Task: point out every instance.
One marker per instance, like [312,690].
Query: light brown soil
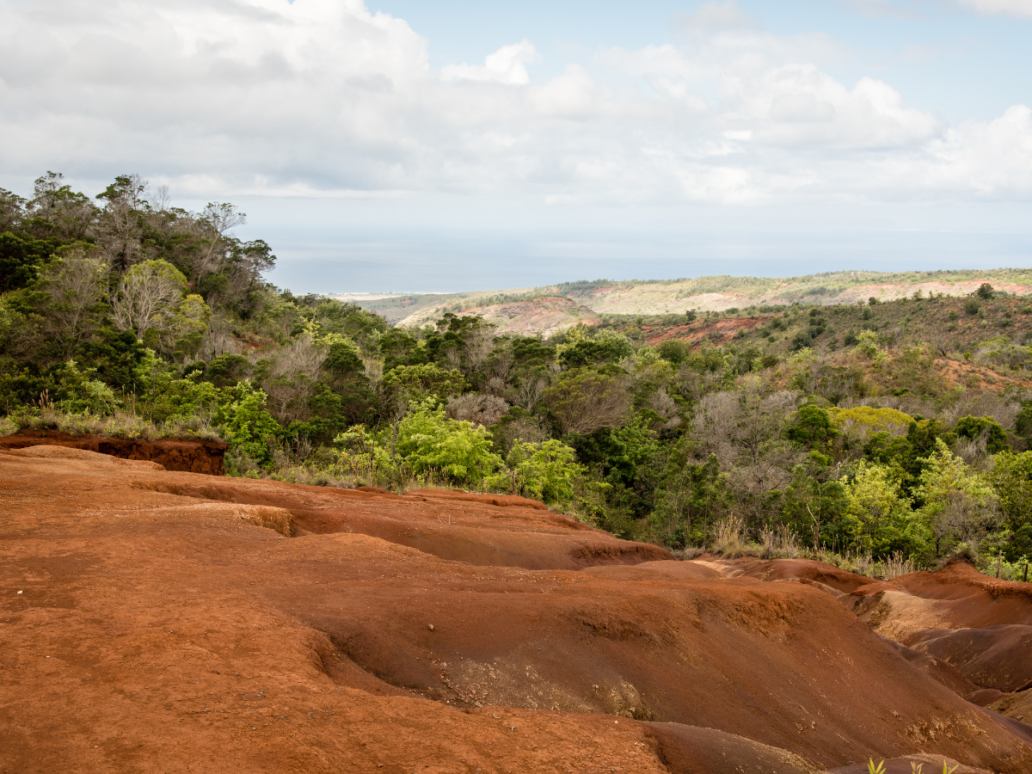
[535,317]
[166,623]
[973,377]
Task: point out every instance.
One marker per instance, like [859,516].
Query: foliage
[811,426]
[546,471]
[878,518]
[958,504]
[986,429]
[425,380]
[433,444]
[868,420]
[584,401]
[246,423]
[892,430]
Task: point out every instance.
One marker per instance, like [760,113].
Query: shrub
[977,428]
[431,443]
[545,471]
[865,421]
[246,423]
[867,344]
[78,393]
[417,382]
[584,401]
[878,517]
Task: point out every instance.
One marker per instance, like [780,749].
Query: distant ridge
[677,296]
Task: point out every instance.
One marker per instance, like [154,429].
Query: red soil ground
[170,622]
[720,331]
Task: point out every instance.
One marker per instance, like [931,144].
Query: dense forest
[880,436]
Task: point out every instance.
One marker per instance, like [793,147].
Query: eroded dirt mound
[967,631]
[192,455]
[476,529]
[1016,705]
[803,570]
[159,628]
[941,671]
[997,657]
[688,749]
[81,455]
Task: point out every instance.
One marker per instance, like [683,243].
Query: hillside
[871,433]
[720,294]
[160,621]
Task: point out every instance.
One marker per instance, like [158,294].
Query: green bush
[432,444]
[246,423]
[546,471]
[974,428]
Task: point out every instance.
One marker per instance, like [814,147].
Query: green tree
[811,426]
[813,503]
[431,443]
[606,347]
[418,382]
[987,428]
[958,504]
[246,423]
[79,393]
[21,258]
[1011,477]
[546,471]
[878,517]
[692,496]
[584,401]
[74,287]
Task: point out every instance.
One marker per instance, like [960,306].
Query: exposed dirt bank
[190,455]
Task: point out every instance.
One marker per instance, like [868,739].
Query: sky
[408,146]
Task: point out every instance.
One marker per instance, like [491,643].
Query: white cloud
[1009,7]
[324,97]
[506,65]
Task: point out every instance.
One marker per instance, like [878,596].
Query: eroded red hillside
[156,621]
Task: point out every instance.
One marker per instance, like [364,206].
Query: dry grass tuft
[779,543]
[729,538]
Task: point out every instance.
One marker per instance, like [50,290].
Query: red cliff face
[189,455]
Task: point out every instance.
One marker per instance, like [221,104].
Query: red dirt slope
[979,625]
[967,631]
[191,455]
[475,529]
[804,570]
[161,629]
